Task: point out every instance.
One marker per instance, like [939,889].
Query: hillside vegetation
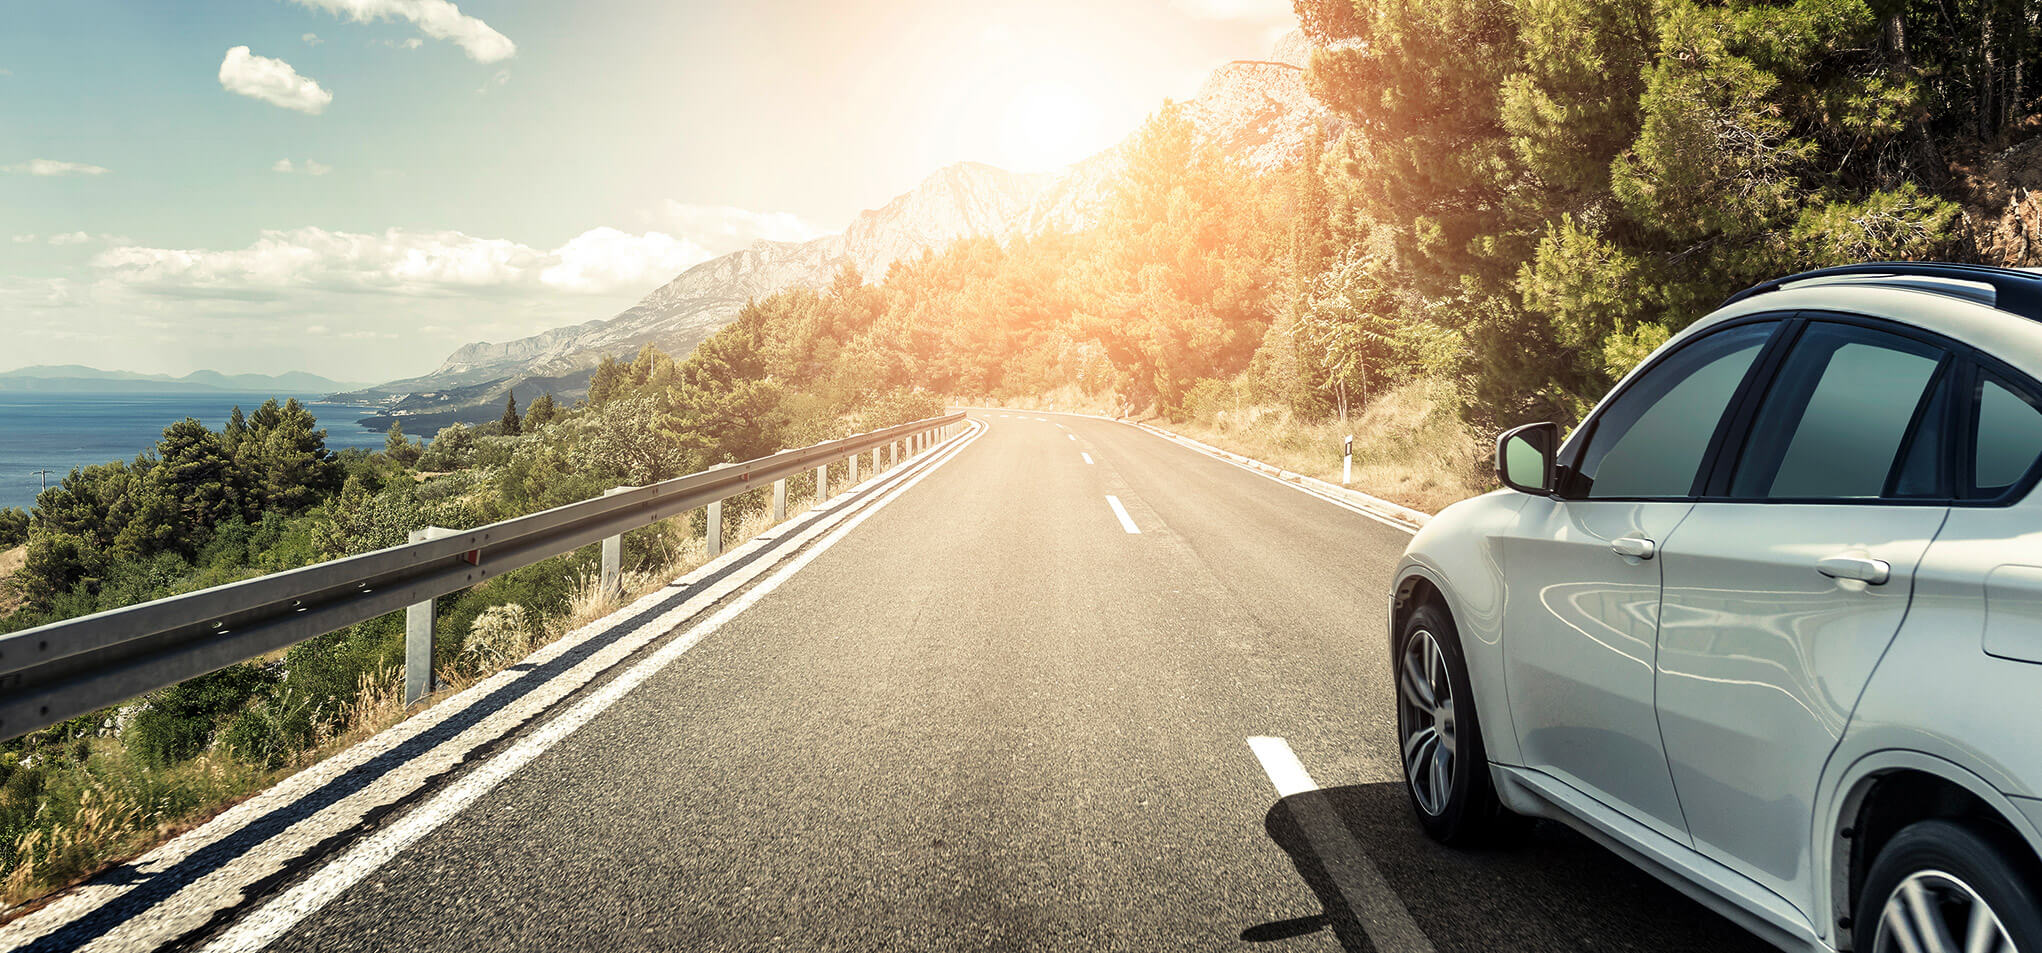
[262,494]
[1520,201]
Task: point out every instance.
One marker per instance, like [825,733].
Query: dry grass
[11,562]
[1410,444]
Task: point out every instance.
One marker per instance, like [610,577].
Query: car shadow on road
[1547,889]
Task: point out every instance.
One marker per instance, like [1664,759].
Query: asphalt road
[992,718]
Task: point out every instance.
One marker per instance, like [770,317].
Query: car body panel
[1761,660]
[1990,727]
[1456,545]
[1712,884]
[1580,628]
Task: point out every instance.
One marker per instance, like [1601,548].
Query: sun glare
[1048,125]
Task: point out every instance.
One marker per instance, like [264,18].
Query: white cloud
[412,43]
[401,262]
[24,239]
[604,259]
[52,167]
[312,39]
[438,19]
[272,81]
[727,228]
[70,238]
[501,78]
[311,167]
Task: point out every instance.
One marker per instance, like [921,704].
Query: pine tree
[539,413]
[611,380]
[398,447]
[510,415]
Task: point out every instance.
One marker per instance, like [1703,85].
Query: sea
[59,432]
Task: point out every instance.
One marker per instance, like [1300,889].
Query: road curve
[1006,714]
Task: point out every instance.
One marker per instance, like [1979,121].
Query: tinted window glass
[1650,440]
[2009,438]
[1833,422]
[1925,471]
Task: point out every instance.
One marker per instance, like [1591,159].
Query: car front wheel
[1943,885]
[1445,770]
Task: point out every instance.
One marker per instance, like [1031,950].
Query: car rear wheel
[1445,770]
[1943,885]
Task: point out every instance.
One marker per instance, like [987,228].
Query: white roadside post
[613,555]
[822,482]
[712,531]
[780,500]
[852,461]
[1347,462]
[418,633]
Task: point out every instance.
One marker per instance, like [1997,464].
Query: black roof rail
[2014,291]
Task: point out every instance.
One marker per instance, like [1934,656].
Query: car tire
[1934,872]
[1455,801]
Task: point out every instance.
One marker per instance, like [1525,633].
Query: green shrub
[178,722]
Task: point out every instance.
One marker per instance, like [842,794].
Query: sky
[357,187]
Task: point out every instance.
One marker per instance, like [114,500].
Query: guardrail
[65,669]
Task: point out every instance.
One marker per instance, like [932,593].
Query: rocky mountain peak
[1260,111]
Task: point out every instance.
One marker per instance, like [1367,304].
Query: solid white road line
[1087,456]
[1126,522]
[1360,885]
[1282,765]
[277,917]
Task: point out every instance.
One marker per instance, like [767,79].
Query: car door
[1785,583]
[1582,588]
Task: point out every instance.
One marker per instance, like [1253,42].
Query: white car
[1769,623]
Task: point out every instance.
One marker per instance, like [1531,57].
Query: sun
[1048,124]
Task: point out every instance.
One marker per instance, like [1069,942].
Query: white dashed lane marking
[1126,521]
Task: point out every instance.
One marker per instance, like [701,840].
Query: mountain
[77,378]
[1259,111]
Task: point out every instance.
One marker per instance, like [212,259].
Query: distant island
[79,379]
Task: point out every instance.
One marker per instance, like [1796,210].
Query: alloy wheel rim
[1932,911]
[1425,722]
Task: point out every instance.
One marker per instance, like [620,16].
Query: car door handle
[1634,546]
[1862,568]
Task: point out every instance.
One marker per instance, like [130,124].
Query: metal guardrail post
[852,461]
[780,500]
[613,554]
[418,633]
[822,482]
[713,529]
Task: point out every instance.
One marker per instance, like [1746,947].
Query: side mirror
[1524,458]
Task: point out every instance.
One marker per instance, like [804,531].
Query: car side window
[1650,440]
[2006,431]
[1837,416]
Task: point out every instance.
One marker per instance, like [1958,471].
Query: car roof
[1937,305]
